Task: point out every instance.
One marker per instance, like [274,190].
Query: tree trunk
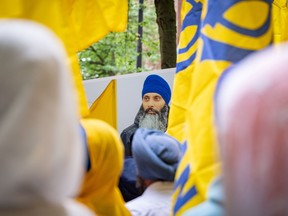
[166,20]
[178,6]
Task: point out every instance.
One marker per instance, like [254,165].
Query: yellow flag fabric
[104,107]
[100,189]
[79,23]
[280,20]
[187,47]
[93,19]
[229,31]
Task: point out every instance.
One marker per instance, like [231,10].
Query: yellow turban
[100,187]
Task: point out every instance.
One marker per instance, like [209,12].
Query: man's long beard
[157,121]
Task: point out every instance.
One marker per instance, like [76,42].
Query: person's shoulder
[137,206]
[129,130]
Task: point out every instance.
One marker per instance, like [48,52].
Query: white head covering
[252,124]
[41,154]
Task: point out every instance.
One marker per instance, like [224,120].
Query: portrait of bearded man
[153,112]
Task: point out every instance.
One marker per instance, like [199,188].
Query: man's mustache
[153,110]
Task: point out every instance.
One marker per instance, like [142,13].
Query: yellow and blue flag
[187,48]
[229,31]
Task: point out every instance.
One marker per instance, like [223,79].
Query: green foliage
[117,52]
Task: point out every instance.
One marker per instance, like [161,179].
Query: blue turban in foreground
[156,154]
[156,84]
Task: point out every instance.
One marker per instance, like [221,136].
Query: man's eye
[157,98]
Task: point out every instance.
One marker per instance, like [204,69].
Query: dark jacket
[127,181]
[128,133]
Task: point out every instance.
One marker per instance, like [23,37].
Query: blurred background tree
[117,53]
[166,20]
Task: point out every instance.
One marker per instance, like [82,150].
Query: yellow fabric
[220,44]
[104,107]
[184,70]
[280,20]
[79,23]
[93,19]
[100,189]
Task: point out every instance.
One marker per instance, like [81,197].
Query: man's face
[154,114]
[151,102]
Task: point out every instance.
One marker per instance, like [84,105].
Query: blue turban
[156,154]
[156,84]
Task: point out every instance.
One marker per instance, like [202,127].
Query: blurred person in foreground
[156,155]
[100,189]
[41,151]
[252,124]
